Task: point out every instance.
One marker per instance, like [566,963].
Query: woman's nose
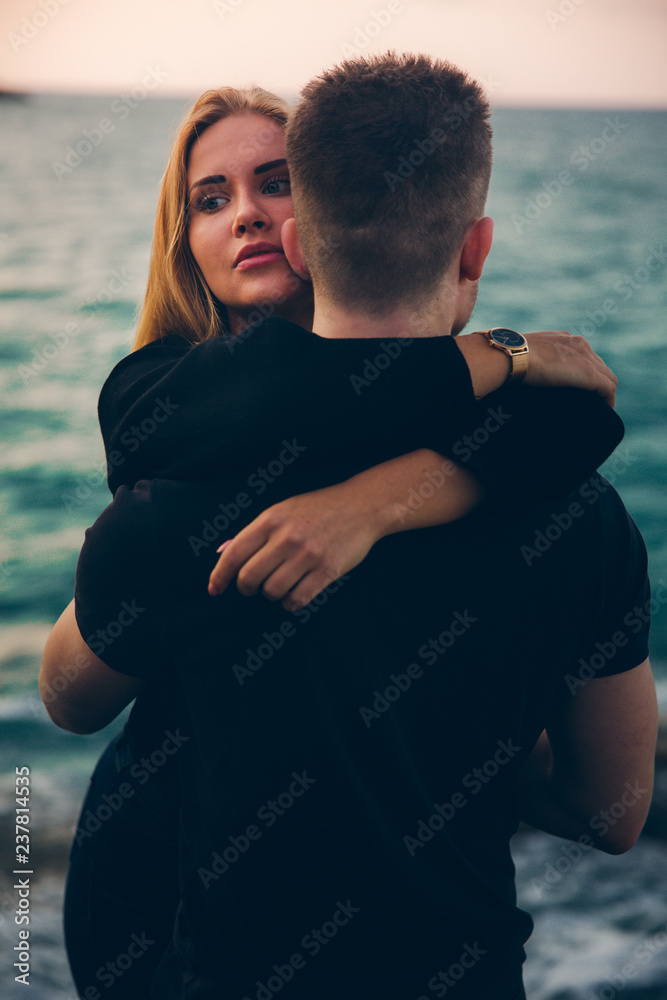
[249,216]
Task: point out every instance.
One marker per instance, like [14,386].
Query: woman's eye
[211,202]
[277,185]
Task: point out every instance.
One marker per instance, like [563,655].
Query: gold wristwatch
[515,346]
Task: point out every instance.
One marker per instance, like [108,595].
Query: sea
[580,245]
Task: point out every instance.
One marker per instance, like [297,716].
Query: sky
[546,53]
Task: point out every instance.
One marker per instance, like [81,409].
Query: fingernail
[225,544]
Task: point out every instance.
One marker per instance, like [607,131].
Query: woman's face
[239,197]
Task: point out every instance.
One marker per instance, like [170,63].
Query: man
[352,775]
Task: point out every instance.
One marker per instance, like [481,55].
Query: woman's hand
[556,358]
[296,548]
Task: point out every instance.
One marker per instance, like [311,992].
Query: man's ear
[475,250]
[292,249]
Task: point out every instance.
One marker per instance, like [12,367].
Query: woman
[217,258]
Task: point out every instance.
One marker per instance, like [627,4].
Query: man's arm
[591,772]
[80,692]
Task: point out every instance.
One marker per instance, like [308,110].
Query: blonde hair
[177,299]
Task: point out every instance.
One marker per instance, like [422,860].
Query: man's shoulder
[588,530]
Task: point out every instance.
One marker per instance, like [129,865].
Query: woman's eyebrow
[221,179]
[214,179]
[263,167]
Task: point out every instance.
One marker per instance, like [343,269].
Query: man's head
[390,159]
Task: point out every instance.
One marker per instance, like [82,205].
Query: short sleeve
[619,640]
[117,596]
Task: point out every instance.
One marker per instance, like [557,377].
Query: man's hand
[556,359]
[296,548]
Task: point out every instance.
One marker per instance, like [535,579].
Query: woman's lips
[260,260]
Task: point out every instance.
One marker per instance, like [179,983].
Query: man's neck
[434,319]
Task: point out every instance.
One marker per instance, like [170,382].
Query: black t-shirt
[329,774]
[348,771]
[176,411]
[184,412]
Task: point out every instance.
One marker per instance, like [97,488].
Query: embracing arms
[544,444]
[317,536]
[522,450]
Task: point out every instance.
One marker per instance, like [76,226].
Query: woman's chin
[289,297]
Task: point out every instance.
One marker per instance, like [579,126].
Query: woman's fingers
[308,588]
[237,552]
[274,577]
[558,358]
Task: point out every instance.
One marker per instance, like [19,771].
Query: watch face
[509,338]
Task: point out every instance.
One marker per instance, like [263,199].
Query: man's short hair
[390,158]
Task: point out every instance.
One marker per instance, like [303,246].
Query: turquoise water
[580,244]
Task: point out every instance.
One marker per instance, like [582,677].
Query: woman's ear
[292,249]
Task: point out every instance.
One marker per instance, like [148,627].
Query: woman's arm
[556,358]
[182,412]
[251,396]
[518,452]
[296,548]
